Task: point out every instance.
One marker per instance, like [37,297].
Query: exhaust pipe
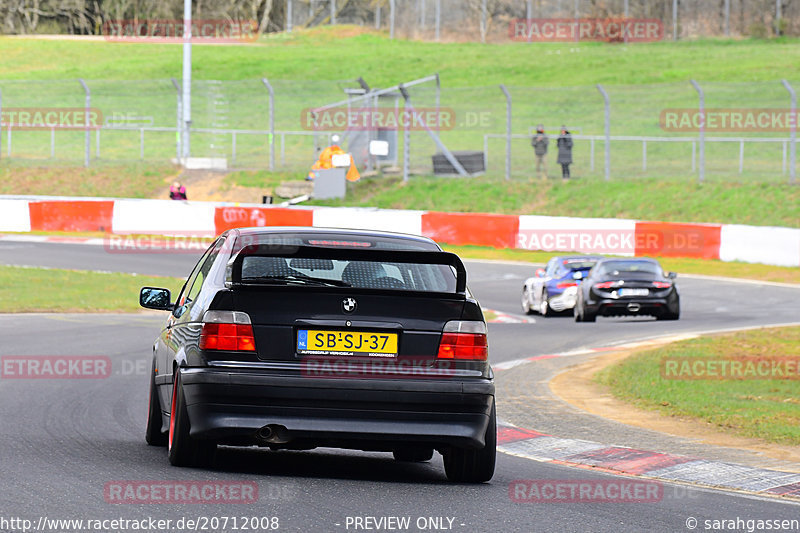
[634,308]
[273,434]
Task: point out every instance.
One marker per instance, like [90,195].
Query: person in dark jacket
[564,151]
[539,143]
[177,191]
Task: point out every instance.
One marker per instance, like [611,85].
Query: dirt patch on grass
[212,187]
[340,31]
[577,387]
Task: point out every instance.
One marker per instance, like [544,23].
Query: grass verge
[759,204]
[309,54]
[767,409]
[135,180]
[74,290]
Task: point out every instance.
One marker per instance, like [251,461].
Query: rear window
[617,267]
[360,274]
[572,266]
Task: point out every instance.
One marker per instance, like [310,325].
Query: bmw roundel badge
[349,305]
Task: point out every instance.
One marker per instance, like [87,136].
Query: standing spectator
[539,143]
[564,151]
[177,191]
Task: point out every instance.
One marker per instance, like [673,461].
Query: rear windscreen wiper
[299,280]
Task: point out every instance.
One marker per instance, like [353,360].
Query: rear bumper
[565,300]
[633,306]
[231,405]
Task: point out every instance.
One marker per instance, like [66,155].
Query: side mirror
[155,298]
[539,273]
[672,275]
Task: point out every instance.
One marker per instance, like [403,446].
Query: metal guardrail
[166,129]
[281,136]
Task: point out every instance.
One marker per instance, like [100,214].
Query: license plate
[634,292]
[346,343]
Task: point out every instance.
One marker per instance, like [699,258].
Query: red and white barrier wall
[728,242]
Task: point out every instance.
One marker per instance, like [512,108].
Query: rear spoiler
[234,271]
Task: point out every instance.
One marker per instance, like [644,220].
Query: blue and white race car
[554,289]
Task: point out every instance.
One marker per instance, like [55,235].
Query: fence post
[288,16]
[741,156]
[626,11]
[784,157]
[333,12]
[406,152]
[179,115]
[141,144]
[186,84]
[233,146]
[391,19]
[87,140]
[378,17]
[591,154]
[674,20]
[702,96]
[694,155]
[422,14]
[438,18]
[438,103]
[268,85]
[607,131]
[727,18]
[484,16]
[777,17]
[644,156]
[793,121]
[529,16]
[52,143]
[1,124]
[508,130]
[97,143]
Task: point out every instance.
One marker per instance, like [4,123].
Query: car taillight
[662,284]
[227,330]
[605,285]
[565,284]
[464,339]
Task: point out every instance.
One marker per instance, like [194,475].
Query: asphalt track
[64,440]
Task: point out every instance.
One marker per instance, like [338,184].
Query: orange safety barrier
[226,218]
[71,215]
[498,231]
[678,240]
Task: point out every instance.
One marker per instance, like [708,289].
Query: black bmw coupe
[293,338]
